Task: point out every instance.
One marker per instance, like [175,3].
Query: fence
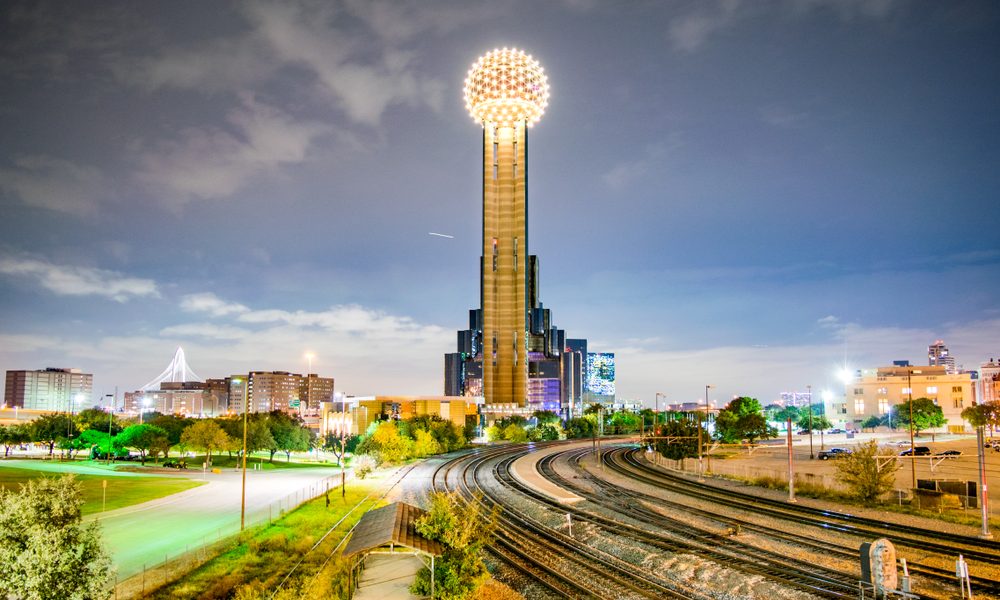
[745,470]
[175,566]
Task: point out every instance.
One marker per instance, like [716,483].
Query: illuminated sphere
[505,87]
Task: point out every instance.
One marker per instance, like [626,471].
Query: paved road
[146,534]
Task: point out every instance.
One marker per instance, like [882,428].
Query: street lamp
[656,413]
[243,491]
[910,371]
[809,392]
[701,472]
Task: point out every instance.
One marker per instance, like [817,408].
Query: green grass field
[262,556]
[121,491]
[224,461]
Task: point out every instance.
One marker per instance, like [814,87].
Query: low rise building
[989,381]
[873,392]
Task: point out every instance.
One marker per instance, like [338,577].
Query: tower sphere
[505,87]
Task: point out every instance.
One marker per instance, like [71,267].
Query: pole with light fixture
[701,471]
[243,492]
[910,371]
[809,392]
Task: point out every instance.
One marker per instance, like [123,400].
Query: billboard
[600,373]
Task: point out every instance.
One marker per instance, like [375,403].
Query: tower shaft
[503,286]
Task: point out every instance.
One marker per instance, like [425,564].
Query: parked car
[917,451]
[834,453]
[837,430]
[950,453]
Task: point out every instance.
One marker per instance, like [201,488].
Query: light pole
[809,392]
[111,417]
[984,505]
[909,390]
[243,491]
[701,472]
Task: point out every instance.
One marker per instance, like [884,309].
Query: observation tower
[506,91]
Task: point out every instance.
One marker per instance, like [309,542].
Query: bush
[869,471]
[364,464]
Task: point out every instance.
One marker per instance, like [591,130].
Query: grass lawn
[122,491]
[224,461]
[261,557]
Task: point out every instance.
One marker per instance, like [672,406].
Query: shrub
[364,464]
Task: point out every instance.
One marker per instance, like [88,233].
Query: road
[149,533]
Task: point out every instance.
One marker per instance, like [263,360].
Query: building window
[496,148]
[956,389]
[883,390]
[859,406]
[859,391]
[957,402]
[907,391]
[932,389]
[883,406]
[495,170]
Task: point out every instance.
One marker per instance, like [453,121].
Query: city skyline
[749,195]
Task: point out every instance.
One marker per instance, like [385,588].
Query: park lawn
[224,461]
[262,556]
[121,492]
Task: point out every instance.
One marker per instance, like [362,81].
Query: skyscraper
[511,354]
[939,356]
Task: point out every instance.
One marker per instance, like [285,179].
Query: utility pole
[984,504]
[913,454]
[809,392]
[243,493]
[701,470]
[791,471]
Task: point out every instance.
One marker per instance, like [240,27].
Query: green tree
[579,428]
[677,439]
[46,550]
[549,432]
[14,435]
[98,419]
[48,429]
[624,421]
[386,443]
[340,446]
[926,414]
[463,529]
[205,436]
[546,417]
[515,433]
[145,438]
[978,415]
[819,422]
[174,426]
[424,444]
[784,413]
[742,419]
[871,422]
[289,433]
[868,471]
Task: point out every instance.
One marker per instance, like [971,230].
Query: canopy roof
[392,524]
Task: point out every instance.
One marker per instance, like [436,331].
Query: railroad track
[624,461]
[614,497]
[539,551]
[678,537]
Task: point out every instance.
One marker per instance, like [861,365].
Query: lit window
[932,389]
[907,390]
[883,406]
[859,406]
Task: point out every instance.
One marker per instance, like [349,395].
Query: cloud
[624,173]
[690,31]
[779,116]
[209,331]
[351,319]
[54,184]
[212,304]
[215,162]
[68,280]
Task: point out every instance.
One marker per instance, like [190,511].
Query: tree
[579,428]
[205,436]
[424,444]
[98,419]
[549,432]
[289,433]
[819,422]
[46,550]
[624,421]
[546,417]
[784,413]
[174,427]
[463,529]
[869,471]
[648,417]
[926,414]
[677,439]
[742,419]
[386,444]
[515,433]
[14,435]
[978,415]
[871,422]
[49,428]
[145,438]
[340,446]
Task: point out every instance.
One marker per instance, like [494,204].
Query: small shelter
[390,529]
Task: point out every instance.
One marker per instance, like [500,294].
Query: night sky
[745,194]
